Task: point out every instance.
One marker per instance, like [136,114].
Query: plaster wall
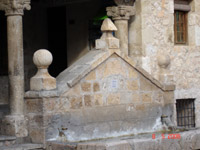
[157,37]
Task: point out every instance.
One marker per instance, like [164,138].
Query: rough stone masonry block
[108,43]
[132,85]
[98,99]
[76,102]
[34,106]
[113,99]
[15,126]
[96,87]
[43,83]
[86,87]
[37,135]
[91,76]
[88,100]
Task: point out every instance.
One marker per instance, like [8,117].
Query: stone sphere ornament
[42,58]
[42,80]
[163,61]
[125,2]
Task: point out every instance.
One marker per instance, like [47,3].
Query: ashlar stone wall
[111,97]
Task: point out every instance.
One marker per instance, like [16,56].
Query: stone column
[14,10]
[121,14]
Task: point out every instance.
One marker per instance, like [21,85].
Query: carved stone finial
[14,7]
[107,41]
[108,25]
[42,80]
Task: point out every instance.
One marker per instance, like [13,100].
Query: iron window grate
[185,113]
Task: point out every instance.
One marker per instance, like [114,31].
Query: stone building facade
[152,34]
[121,86]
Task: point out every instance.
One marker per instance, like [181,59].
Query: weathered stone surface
[98,99]
[15,126]
[86,86]
[113,99]
[132,85]
[37,135]
[91,76]
[27,146]
[88,100]
[102,122]
[146,97]
[41,94]
[74,91]
[96,87]
[114,67]
[132,73]
[7,140]
[145,142]
[34,106]
[76,102]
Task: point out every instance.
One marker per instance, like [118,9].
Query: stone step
[7,140]
[27,146]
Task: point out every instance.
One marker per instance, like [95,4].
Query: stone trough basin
[186,140]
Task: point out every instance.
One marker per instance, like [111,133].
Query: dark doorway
[3,45]
[57,39]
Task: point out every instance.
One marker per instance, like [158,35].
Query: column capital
[14,7]
[121,12]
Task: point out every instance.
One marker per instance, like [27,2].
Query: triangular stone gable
[72,75]
[113,82]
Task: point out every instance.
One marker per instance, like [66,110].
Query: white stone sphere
[163,61]
[42,58]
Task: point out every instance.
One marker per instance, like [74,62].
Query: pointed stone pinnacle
[108,25]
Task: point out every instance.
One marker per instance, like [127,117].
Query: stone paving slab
[6,138]
[23,147]
[188,141]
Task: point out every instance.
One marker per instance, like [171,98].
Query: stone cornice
[14,7]
[120,12]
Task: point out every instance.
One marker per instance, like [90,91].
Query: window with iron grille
[185,113]
[180,27]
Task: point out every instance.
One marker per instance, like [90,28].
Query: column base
[14,125]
